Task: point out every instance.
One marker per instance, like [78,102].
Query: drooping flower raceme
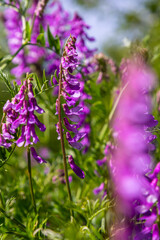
[70,90]
[136,188]
[20,114]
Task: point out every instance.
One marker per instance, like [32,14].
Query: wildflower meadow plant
[79,130]
[132,160]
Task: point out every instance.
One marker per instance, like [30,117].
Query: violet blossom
[136,190]
[75,168]
[71,86]
[20,112]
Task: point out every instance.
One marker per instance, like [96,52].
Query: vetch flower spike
[20,113]
[69,87]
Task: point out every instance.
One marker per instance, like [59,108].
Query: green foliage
[4,78]
[41,39]
[53,42]
[27,31]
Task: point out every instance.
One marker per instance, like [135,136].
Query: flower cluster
[136,188]
[19,114]
[61,24]
[70,92]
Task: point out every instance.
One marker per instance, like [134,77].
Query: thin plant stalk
[30,179]
[62,139]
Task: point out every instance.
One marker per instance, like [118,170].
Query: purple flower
[75,168]
[71,86]
[101,161]
[155,234]
[98,189]
[20,112]
[36,156]
[135,187]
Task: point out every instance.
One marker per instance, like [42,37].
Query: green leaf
[57,45]
[96,213]
[28,31]
[51,80]
[5,59]
[53,42]
[35,77]
[41,29]
[44,76]
[45,81]
[41,39]
[50,38]
[7,83]
[56,76]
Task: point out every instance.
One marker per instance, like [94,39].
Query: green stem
[8,156]
[62,140]
[23,29]
[23,45]
[30,179]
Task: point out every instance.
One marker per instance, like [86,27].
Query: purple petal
[78,136]
[98,189]
[36,156]
[75,168]
[7,106]
[76,145]
[21,140]
[40,125]
[102,161]
[155,235]
[70,127]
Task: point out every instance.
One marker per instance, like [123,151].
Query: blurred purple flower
[132,162]
[98,189]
